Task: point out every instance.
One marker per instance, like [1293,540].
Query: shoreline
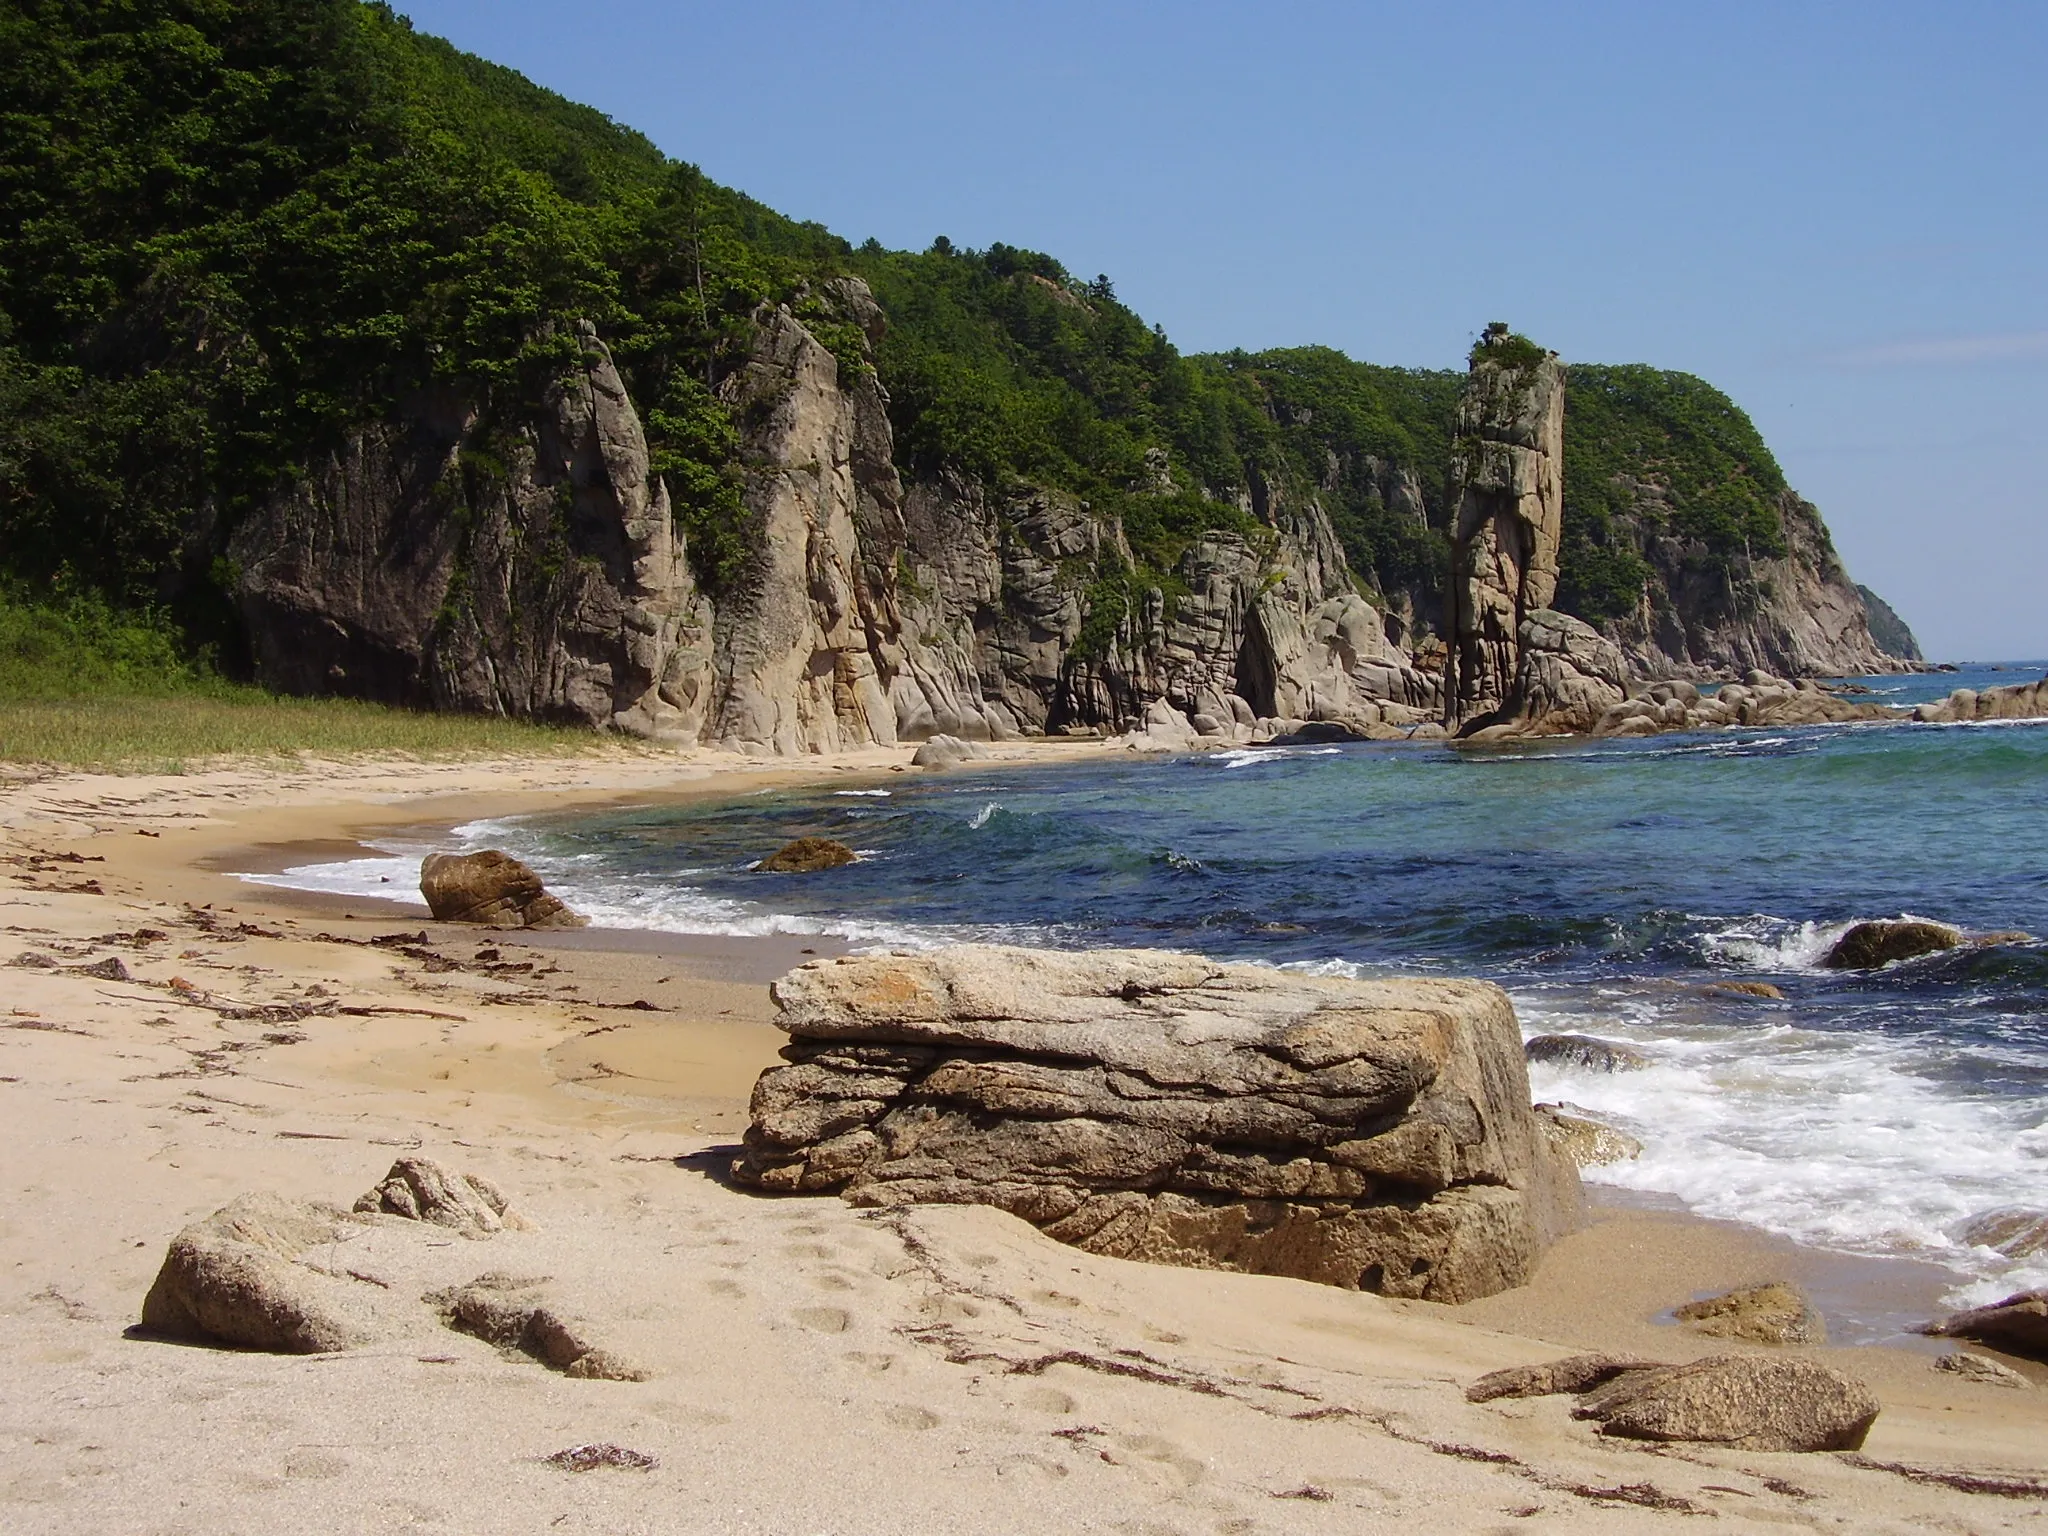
[598,1074]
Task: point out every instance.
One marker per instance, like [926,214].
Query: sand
[815,1368]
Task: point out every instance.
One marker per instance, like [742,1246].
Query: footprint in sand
[873,1361]
[808,1251]
[1031,1468]
[1046,1400]
[719,1286]
[824,1319]
[908,1416]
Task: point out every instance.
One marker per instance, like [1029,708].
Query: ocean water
[1602,884]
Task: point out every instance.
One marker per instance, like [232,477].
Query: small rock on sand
[520,1314]
[1764,1314]
[420,1189]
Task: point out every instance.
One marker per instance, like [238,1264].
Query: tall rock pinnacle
[1507,497]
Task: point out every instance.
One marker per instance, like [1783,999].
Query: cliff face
[524,562]
[1892,634]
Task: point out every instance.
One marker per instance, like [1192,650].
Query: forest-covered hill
[238,235]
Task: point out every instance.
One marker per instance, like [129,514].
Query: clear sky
[1837,213]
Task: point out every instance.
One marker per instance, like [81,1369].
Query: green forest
[230,230]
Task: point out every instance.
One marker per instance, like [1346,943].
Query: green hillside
[231,229]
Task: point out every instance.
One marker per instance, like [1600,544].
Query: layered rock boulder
[1151,1105]
[1764,1314]
[490,888]
[420,1189]
[806,856]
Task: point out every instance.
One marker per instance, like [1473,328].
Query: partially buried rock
[420,1189]
[1985,1372]
[1585,1052]
[946,752]
[2017,1325]
[1574,1374]
[1585,1141]
[1747,1402]
[1870,945]
[237,1278]
[490,888]
[1763,1314]
[1149,1105]
[806,856]
[519,1314]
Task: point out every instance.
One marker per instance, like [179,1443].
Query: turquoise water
[1603,884]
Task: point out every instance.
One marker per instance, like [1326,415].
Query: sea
[1605,885]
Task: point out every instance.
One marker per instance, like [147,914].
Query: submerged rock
[1764,1314]
[2017,1325]
[1585,1141]
[1746,1402]
[1757,989]
[2016,1231]
[1585,1051]
[236,1278]
[490,888]
[1150,1105]
[1867,946]
[806,856]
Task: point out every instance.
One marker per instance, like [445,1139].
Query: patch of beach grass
[86,686]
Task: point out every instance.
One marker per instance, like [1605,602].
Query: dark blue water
[1602,883]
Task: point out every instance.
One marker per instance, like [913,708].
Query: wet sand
[815,1368]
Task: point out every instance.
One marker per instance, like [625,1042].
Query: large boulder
[1582,1140]
[2018,1325]
[1763,1314]
[242,1276]
[1867,946]
[1746,1402]
[490,888]
[1369,1134]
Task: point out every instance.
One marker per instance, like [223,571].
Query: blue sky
[1838,214]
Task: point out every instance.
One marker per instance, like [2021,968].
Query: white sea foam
[1244,757]
[877,794]
[983,816]
[1761,942]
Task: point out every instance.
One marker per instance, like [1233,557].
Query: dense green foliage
[1713,484]
[230,230]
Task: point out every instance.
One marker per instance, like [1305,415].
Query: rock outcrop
[1763,1314]
[1161,1106]
[1584,1141]
[1984,1372]
[490,888]
[2015,701]
[1507,511]
[1888,630]
[242,1277]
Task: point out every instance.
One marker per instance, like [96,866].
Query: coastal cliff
[602,443]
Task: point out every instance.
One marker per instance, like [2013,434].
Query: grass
[85,686]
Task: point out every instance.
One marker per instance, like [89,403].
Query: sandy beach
[812,1367]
